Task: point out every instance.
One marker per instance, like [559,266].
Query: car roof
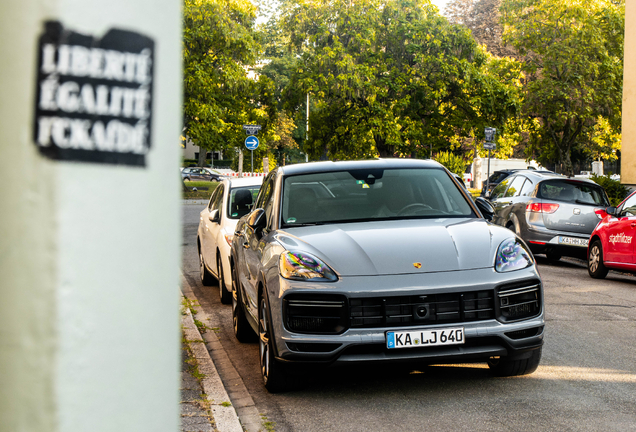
[549,175]
[245,181]
[328,166]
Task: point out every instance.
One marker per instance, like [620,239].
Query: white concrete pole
[89,249]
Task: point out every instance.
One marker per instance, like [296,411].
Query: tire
[275,376]
[503,367]
[206,277]
[224,294]
[242,329]
[595,266]
[553,256]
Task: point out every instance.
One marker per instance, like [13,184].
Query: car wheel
[553,256]
[186,179]
[224,294]
[503,367]
[595,266]
[206,277]
[275,375]
[242,329]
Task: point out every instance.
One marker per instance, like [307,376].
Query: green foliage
[387,77]
[574,69]
[614,189]
[219,42]
[453,163]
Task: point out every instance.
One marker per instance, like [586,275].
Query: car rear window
[573,192]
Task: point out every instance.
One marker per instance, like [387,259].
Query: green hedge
[614,189]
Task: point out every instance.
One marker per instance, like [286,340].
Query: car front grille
[421,309]
[519,301]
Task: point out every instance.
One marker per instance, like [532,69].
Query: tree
[574,70]
[390,78]
[483,18]
[219,42]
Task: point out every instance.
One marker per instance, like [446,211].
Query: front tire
[503,367]
[595,266]
[206,277]
[224,294]
[275,376]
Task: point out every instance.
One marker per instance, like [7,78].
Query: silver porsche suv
[381,261]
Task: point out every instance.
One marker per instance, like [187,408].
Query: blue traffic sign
[251,142]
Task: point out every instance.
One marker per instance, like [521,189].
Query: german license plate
[573,241]
[419,338]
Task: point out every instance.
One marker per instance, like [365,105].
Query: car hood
[399,247]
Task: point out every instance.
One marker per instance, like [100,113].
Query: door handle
[633,224]
[246,245]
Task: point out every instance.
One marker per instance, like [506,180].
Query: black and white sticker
[94,96]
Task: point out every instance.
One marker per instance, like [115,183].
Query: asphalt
[206,404]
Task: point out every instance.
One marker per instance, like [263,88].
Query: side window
[629,208]
[499,190]
[265,192]
[515,186]
[218,199]
[213,197]
[527,188]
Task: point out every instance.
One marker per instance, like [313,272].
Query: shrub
[614,189]
[452,162]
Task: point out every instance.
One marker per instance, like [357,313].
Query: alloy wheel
[594,259]
[263,341]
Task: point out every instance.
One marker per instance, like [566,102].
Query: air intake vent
[424,309]
[519,302]
[315,314]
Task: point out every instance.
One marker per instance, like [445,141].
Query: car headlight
[512,255]
[303,266]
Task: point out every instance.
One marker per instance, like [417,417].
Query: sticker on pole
[251,142]
[94,96]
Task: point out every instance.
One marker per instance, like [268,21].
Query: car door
[619,244]
[496,195]
[253,245]
[211,230]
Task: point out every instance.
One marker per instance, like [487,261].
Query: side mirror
[257,220]
[486,208]
[214,216]
[611,211]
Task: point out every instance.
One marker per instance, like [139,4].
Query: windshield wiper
[578,201]
[287,224]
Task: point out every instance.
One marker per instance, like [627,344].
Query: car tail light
[542,207]
[600,213]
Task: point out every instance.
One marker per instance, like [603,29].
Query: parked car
[200,174]
[554,214]
[380,261]
[231,200]
[494,179]
[611,243]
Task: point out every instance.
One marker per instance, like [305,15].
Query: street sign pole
[489,144]
[252,162]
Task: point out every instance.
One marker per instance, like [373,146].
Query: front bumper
[483,338]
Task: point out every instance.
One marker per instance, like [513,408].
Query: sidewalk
[205,404]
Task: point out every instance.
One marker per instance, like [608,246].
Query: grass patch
[186,304]
[268,425]
[200,193]
[226,404]
[202,327]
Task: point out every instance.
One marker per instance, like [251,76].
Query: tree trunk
[384,150]
[202,153]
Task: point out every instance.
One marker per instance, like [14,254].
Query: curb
[225,417]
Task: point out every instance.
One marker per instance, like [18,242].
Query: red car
[612,242]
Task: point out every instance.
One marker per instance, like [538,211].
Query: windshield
[573,192]
[241,200]
[372,194]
